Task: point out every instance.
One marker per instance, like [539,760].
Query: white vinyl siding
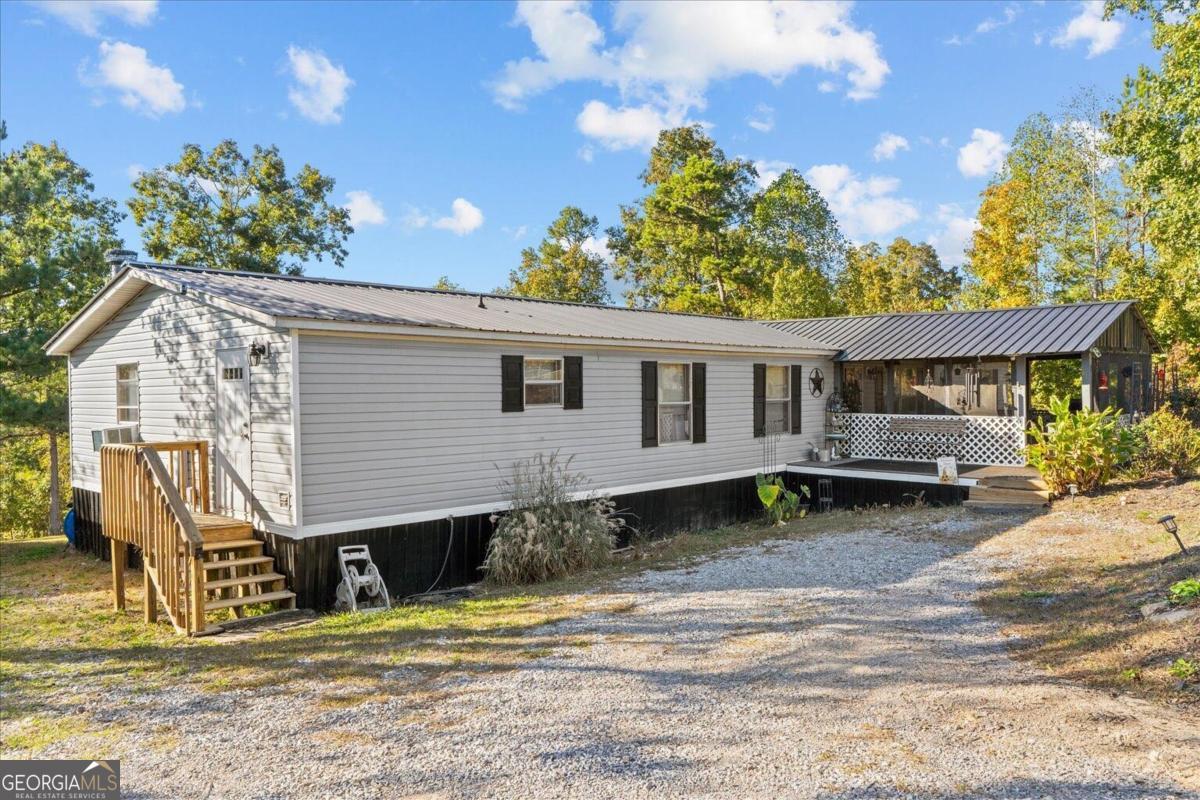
[391,426]
[173,340]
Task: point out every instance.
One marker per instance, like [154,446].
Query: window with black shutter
[572,382]
[512,383]
[760,399]
[699,395]
[649,404]
[797,385]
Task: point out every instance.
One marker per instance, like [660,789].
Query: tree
[445,284]
[1157,127]
[53,234]
[1051,220]
[904,277]
[683,246]
[796,249]
[562,267]
[223,210]
[1002,262]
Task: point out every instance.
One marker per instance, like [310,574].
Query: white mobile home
[339,412]
[287,416]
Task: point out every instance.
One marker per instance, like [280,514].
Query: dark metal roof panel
[1037,330]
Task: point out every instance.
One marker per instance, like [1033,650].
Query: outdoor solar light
[1172,528]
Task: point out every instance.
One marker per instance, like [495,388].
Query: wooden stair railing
[143,504]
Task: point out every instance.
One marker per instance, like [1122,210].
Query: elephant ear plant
[780,502]
[1083,448]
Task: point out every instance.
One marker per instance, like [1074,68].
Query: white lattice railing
[985,440]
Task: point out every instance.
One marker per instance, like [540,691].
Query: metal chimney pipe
[116,259]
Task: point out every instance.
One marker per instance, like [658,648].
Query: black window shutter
[572,382]
[699,421]
[512,383]
[797,393]
[649,404]
[760,399]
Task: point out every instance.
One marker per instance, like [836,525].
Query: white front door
[232,457]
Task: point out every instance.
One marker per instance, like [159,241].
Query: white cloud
[587,153]
[763,119]
[670,53]
[463,218]
[888,145]
[864,207]
[954,237]
[826,87]
[364,209]
[769,171]
[89,17]
[134,171]
[142,86]
[320,87]
[414,218]
[625,127]
[597,247]
[983,155]
[1101,34]
[992,23]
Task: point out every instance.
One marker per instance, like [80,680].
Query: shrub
[548,534]
[1184,592]
[780,502]
[1184,670]
[1167,442]
[1082,448]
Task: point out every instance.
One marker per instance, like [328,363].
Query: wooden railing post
[120,553]
[150,596]
[196,620]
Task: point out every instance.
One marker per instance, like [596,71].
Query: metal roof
[304,302]
[1035,330]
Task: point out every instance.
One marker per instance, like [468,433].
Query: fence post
[150,594]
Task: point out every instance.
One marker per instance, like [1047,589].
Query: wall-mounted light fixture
[259,351]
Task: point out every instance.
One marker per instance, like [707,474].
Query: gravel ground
[849,666]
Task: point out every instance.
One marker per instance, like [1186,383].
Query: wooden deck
[985,483]
[155,497]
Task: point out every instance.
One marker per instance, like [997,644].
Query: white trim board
[875,475]
[367,523]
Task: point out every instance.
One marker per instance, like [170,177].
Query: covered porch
[915,386]
[977,483]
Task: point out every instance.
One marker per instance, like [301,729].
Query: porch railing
[148,502]
[985,440]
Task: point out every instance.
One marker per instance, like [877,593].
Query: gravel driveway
[850,665]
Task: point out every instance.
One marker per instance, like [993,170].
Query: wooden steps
[237,574]
[252,599]
[990,495]
[244,580]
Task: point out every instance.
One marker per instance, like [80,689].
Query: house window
[779,400]
[127,393]
[674,403]
[543,381]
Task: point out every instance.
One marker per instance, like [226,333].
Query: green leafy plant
[780,502]
[1184,669]
[1083,448]
[1130,675]
[1184,592]
[1167,442]
[549,533]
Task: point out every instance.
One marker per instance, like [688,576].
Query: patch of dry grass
[1087,567]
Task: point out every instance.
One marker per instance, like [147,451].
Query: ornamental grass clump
[549,534]
[1081,448]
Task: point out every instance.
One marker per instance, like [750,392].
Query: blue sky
[457,131]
